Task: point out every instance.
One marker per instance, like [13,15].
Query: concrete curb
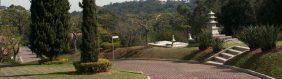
[248,71]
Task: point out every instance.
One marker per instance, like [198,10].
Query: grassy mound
[270,63]
[189,53]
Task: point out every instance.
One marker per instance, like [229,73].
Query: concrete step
[226,55]
[225,37]
[233,52]
[214,62]
[241,48]
[220,59]
[233,39]
[219,35]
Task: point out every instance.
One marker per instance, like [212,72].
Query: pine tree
[89,32]
[49,27]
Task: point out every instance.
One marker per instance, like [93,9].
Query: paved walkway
[181,70]
[26,55]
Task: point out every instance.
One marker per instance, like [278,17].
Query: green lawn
[64,71]
[187,53]
[270,63]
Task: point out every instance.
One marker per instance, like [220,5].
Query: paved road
[180,70]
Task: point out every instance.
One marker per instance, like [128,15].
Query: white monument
[169,44]
[214,29]
[212,24]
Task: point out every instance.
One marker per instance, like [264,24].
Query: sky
[74,3]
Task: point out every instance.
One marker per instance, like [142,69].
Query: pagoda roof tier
[213,22]
[213,17]
[211,13]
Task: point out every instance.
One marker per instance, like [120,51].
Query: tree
[49,27]
[89,32]
[185,11]
[236,14]
[199,18]
[269,12]
[16,16]
[61,24]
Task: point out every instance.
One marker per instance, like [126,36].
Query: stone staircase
[227,54]
[225,38]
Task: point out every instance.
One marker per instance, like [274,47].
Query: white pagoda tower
[212,24]
[214,29]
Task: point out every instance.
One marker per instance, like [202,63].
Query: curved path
[180,70]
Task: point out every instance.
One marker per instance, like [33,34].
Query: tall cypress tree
[61,24]
[49,27]
[89,32]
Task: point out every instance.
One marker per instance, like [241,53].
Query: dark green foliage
[169,24]
[102,65]
[141,7]
[217,44]
[264,37]
[268,37]
[269,12]
[205,40]
[49,27]
[235,14]
[250,37]
[108,45]
[199,18]
[61,17]
[89,32]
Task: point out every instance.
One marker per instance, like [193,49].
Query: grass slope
[270,63]
[190,53]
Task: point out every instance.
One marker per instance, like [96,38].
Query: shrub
[268,37]
[217,44]
[102,65]
[204,40]
[108,45]
[264,37]
[250,37]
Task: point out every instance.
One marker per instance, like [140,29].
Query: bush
[102,65]
[264,37]
[268,37]
[204,40]
[250,37]
[217,44]
[108,45]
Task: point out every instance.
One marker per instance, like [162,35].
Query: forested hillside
[139,21]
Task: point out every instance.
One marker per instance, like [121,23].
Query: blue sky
[74,3]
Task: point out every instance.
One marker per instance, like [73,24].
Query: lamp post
[114,37]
